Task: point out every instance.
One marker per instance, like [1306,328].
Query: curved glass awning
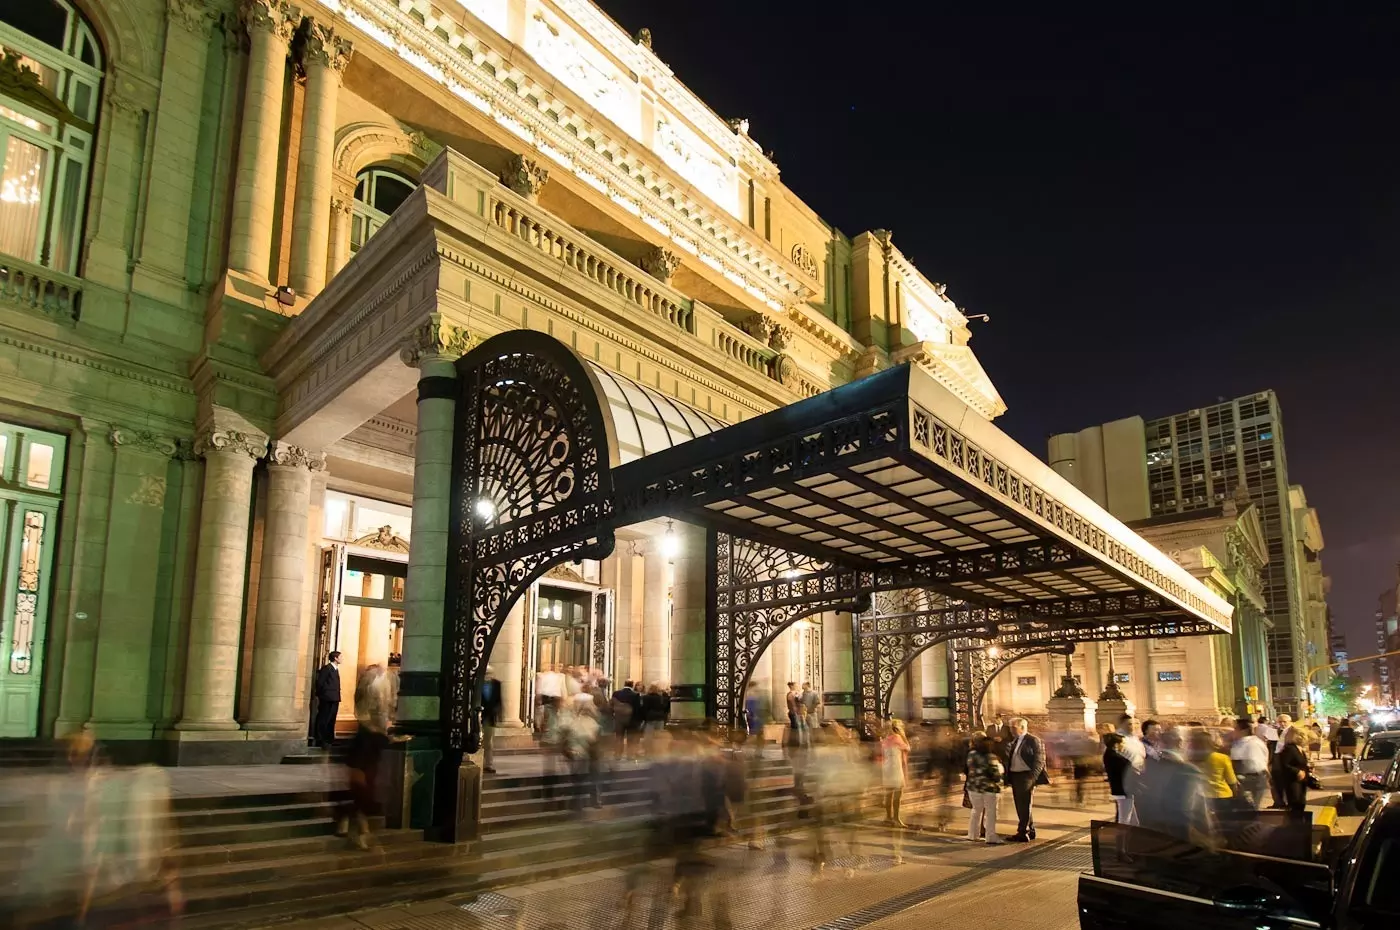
[645,420]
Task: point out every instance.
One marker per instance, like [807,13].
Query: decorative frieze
[660,264]
[525,176]
[275,16]
[141,440]
[288,455]
[327,49]
[435,339]
[803,258]
[253,445]
[759,325]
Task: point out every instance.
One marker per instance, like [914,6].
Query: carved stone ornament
[282,453]
[194,16]
[1069,688]
[803,258]
[435,339]
[759,325]
[563,572]
[327,49]
[660,264]
[780,338]
[384,539]
[227,440]
[644,37]
[739,125]
[785,370]
[140,440]
[275,16]
[525,176]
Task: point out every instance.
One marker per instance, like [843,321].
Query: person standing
[327,701]
[1346,743]
[811,706]
[1291,769]
[985,779]
[894,755]
[1025,771]
[1116,765]
[1277,784]
[1250,756]
[490,720]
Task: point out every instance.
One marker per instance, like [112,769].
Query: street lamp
[670,543]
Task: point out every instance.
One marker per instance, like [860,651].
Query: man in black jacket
[327,701]
[1025,770]
[490,719]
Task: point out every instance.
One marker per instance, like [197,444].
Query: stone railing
[561,241]
[37,288]
[522,220]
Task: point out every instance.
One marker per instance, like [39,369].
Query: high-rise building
[1196,460]
[1385,630]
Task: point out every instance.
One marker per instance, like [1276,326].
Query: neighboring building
[1222,545]
[1386,667]
[203,492]
[1338,644]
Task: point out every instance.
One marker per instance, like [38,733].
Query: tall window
[378,193]
[50,75]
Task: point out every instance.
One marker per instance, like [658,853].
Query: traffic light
[1252,693]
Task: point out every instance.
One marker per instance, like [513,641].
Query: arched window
[50,77]
[378,193]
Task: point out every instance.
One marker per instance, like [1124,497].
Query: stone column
[656,621]
[216,610]
[781,657]
[838,663]
[433,350]
[326,56]
[282,580]
[508,663]
[934,661]
[270,26]
[342,205]
[914,691]
[688,620]
[130,583]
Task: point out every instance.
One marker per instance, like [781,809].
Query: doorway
[563,623]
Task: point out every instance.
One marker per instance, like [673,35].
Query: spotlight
[485,510]
[670,543]
[286,296]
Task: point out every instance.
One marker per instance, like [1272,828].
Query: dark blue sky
[1158,205]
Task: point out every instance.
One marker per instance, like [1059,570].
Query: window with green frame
[50,80]
[378,193]
[31,486]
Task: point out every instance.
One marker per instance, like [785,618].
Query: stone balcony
[39,289]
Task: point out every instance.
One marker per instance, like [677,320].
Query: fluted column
[216,609]
[325,57]
[276,642]
[780,653]
[270,26]
[656,619]
[433,350]
[507,662]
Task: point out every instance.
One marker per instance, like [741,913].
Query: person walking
[1116,765]
[1025,771]
[1250,756]
[327,701]
[490,720]
[1170,796]
[1221,781]
[1291,769]
[1346,743]
[985,779]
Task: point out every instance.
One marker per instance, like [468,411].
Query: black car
[1143,880]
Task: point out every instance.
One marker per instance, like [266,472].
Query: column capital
[253,445]
[525,176]
[196,17]
[275,16]
[326,48]
[436,339]
[289,456]
[141,440]
[660,263]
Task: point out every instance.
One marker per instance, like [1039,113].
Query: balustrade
[50,292]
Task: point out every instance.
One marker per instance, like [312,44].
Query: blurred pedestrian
[490,720]
[1170,795]
[894,754]
[1250,756]
[1116,766]
[1222,785]
[1346,743]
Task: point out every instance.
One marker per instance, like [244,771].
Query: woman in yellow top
[1221,783]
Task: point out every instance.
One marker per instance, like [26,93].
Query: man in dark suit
[627,715]
[1025,770]
[490,720]
[327,701]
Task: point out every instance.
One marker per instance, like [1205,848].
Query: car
[1143,880]
[1368,773]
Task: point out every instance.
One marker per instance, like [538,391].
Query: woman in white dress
[894,752]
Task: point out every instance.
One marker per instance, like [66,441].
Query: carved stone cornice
[780,338]
[759,325]
[289,456]
[231,441]
[194,16]
[435,339]
[327,49]
[142,440]
[275,16]
[525,176]
[660,264]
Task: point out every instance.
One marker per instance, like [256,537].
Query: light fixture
[993,652]
[286,296]
[791,573]
[670,543]
[485,510]
[557,610]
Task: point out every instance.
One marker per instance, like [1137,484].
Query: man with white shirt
[1025,769]
[1132,749]
[1250,756]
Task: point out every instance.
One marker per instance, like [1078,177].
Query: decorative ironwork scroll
[532,487]
[757,591]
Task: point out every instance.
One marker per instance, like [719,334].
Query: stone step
[498,809]
[541,818]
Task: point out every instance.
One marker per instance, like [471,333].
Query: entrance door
[31,469]
[563,627]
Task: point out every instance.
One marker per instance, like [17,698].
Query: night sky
[1157,211]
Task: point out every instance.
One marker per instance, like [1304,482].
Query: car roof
[1385,734]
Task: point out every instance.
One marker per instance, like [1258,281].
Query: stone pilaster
[216,611]
[780,655]
[432,349]
[276,642]
[525,176]
[507,663]
[838,663]
[688,619]
[270,25]
[342,206]
[130,580]
[656,615]
[326,55]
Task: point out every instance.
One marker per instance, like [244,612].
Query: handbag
[967,798]
[1312,782]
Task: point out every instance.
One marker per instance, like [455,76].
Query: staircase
[28,753]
